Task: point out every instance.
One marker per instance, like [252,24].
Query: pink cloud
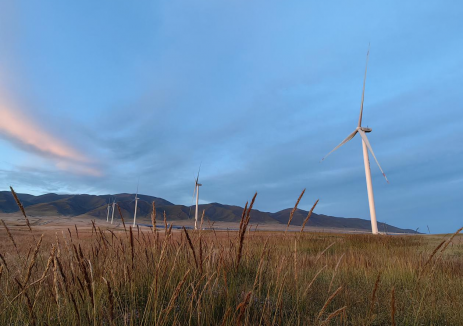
[20,130]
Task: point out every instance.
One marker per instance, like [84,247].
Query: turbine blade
[197,178]
[343,142]
[363,92]
[365,139]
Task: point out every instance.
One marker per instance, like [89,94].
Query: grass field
[100,276]
[108,275]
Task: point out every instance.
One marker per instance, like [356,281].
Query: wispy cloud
[20,130]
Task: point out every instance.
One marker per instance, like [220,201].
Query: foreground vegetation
[102,276]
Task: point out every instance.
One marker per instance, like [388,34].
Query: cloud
[17,128]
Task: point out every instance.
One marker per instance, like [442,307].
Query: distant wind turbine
[136,204]
[112,216]
[197,185]
[366,146]
[109,208]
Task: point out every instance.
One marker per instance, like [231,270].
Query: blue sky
[94,95]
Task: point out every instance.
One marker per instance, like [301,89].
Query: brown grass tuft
[308,216]
[294,209]
[451,238]
[242,307]
[191,246]
[333,315]
[175,295]
[165,224]
[335,293]
[243,226]
[132,246]
[32,262]
[4,262]
[430,258]
[10,235]
[393,307]
[122,217]
[153,217]
[21,207]
[111,301]
[373,296]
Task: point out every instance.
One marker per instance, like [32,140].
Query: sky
[95,96]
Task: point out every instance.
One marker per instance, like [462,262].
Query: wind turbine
[136,203]
[107,215]
[197,185]
[112,216]
[366,147]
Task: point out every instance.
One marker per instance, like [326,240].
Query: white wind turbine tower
[197,185]
[366,146]
[136,204]
[109,208]
[112,215]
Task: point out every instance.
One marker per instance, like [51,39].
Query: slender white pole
[135,213]
[107,215]
[196,213]
[371,199]
[112,216]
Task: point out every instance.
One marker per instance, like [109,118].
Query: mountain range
[93,206]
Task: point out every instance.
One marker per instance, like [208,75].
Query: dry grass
[21,207]
[153,217]
[308,216]
[121,216]
[111,277]
[294,210]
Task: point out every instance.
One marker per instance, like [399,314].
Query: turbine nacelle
[364,129]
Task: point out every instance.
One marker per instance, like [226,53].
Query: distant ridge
[94,206]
